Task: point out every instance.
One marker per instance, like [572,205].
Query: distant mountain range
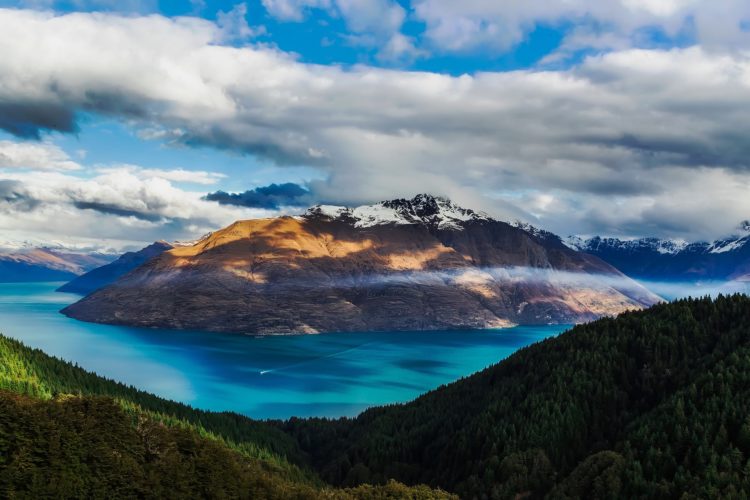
[725,259]
[418,264]
[45,264]
[108,273]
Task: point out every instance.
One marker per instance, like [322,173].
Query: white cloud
[461,26]
[606,137]
[400,48]
[234,25]
[660,8]
[188,176]
[371,22]
[35,155]
[201,177]
[293,10]
[114,205]
[371,16]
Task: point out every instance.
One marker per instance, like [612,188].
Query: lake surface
[329,375]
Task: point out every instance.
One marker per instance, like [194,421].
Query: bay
[327,375]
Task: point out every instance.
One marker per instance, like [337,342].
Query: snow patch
[422,209]
[670,247]
[664,247]
[727,246]
[376,215]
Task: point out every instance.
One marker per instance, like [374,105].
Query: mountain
[725,259]
[68,433]
[108,273]
[419,264]
[45,264]
[651,404]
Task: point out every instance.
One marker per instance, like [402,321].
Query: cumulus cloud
[463,26]
[293,10]
[361,16]
[35,155]
[372,16]
[625,142]
[234,25]
[375,23]
[13,194]
[401,49]
[176,175]
[126,205]
[273,196]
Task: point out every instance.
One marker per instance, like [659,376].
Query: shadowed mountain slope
[417,264]
[108,273]
[725,259]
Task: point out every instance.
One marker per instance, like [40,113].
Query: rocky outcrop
[419,264]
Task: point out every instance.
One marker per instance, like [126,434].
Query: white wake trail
[311,360]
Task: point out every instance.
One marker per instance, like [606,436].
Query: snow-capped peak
[26,245]
[422,209]
[662,246]
[574,242]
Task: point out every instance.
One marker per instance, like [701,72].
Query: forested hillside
[67,433]
[650,404]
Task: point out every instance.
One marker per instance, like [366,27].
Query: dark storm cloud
[725,149]
[272,196]
[112,209]
[15,193]
[29,119]
[274,141]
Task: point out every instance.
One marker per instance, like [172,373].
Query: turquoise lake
[329,375]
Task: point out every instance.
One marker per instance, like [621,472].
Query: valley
[525,426]
[374,250]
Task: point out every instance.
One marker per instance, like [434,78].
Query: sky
[124,122]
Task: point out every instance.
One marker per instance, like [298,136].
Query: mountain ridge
[28,264]
[108,273]
[649,258]
[419,264]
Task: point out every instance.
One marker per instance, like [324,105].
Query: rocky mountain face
[725,259]
[108,273]
[29,264]
[419,264]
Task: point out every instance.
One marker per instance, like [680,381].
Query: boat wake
[312,360]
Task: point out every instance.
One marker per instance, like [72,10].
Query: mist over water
[509,275]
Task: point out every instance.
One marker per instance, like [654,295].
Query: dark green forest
[651,404]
